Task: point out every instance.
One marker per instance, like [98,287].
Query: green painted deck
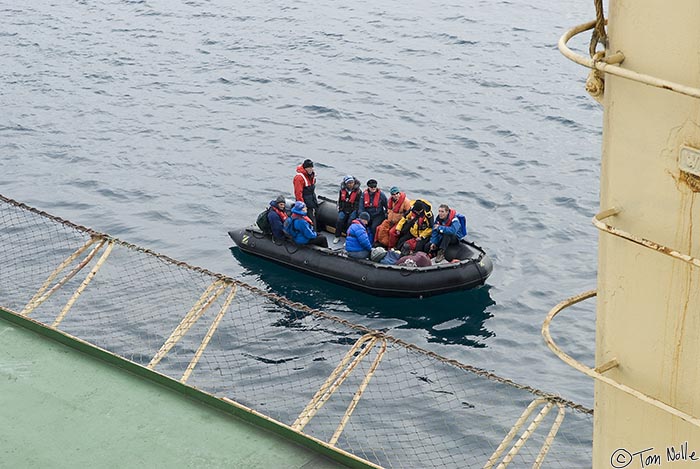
[60,407]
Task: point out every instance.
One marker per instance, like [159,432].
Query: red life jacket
[309,179]
[372,203]
[450,217]
[282,215]
[296,216]
[399,203]
[351,198]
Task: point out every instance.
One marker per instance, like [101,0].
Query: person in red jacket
[305,188]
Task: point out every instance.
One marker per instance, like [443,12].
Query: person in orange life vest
[449,228]
[300,228]
[277,216]
[398,206]
[357,244]
[375,204]
[349,197]
[414,230]
[305,188]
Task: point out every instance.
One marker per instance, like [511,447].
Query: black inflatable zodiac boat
[471,270]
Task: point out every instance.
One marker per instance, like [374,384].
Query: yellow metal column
[648,316]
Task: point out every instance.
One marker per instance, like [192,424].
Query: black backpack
[263,222]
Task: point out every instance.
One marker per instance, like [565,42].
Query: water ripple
[167,122]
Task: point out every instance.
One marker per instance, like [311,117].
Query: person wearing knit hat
[414,229]
[276,216]
[418,206]
[374,202]
[305,188]
[348,204]
[301,229]
[357,244]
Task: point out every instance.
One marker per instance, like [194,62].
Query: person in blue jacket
[300,227]
[276,216]
[374,202]
[357,243]
[449,228]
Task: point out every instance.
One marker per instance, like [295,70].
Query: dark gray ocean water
[167,123]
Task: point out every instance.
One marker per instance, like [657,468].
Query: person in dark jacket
[276,215]
[305,188]
[301,229]
[374,202]
[357,243]
[414,230]
[449,228]
[349,197]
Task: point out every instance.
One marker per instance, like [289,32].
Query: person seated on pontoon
[300,227]
[448,229]
[357,243]
[276,216]
[414,230]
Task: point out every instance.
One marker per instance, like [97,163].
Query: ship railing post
[71,301]
[213,291]
[547,405]
[42,295]
[209,334]
[337,377]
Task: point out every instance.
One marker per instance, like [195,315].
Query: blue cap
[394,190]
[299,205]
[364,216]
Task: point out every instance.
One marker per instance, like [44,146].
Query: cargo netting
[373,395]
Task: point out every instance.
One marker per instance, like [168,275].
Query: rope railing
[379,397]
[282,301]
